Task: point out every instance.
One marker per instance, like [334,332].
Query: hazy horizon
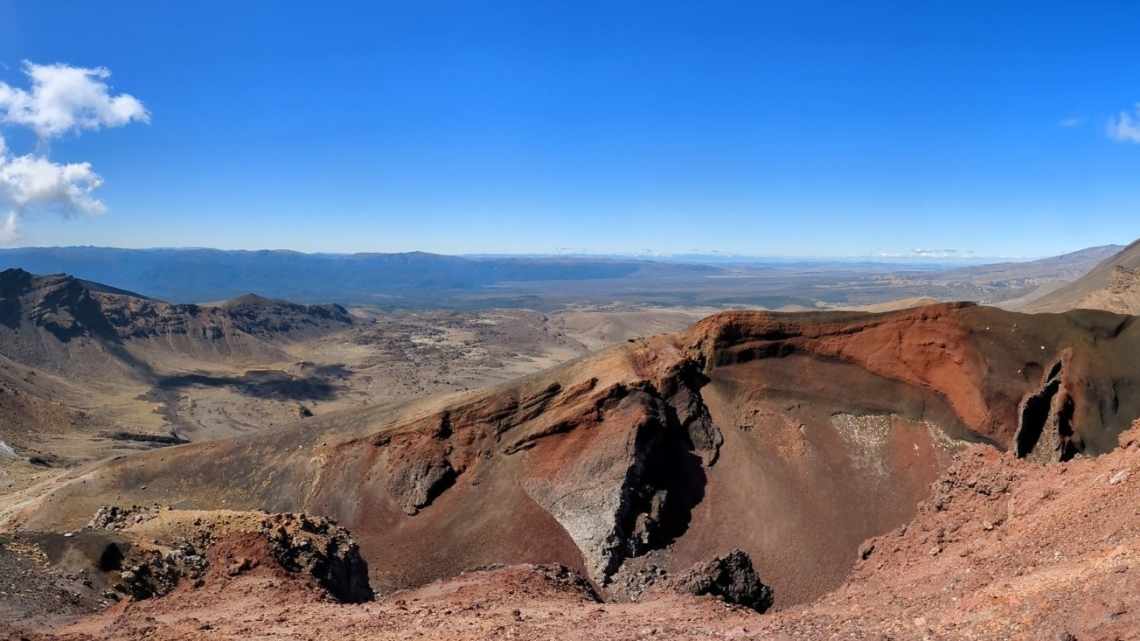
[709,256]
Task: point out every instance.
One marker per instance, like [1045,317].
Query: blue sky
[790,129]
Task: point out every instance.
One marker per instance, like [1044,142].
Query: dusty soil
[48,575]
[64,422]
[749,430]
[1003,549]
[794,437]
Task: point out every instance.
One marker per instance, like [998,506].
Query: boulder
[731,578]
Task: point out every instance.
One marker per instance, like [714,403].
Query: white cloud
[34,181]
[1125,127]
[1074,121]
[941,253]
[928,253]
[9,231]
[30,184]
[63,99]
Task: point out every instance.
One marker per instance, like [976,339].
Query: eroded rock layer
[793,437]
[65,324]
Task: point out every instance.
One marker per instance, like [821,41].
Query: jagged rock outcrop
[1045,427]
[151,572]
[749,430]
[981,360]
[114,517]
[730,577]
[616,497]
[318,547]
[172,547]
[63,306]
[70,311]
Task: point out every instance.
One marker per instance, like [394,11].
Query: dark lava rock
[317,546]
[730,577]
[113,517]
[150,572]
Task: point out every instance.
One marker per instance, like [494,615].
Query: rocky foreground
[1004,548]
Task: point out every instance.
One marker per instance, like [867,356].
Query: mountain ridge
[651,453]
[418,280]
[71,308]
[197,275]
[1113,285]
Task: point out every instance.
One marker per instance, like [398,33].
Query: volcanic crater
[794,437]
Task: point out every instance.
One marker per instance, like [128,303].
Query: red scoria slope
[1004,549]
[792,436]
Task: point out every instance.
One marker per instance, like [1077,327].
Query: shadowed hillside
[45,321]
[1114,285]
[794,437]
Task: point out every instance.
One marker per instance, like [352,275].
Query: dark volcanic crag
[730,577]
[164,549]
[72,310]
[82,365]
[794,437]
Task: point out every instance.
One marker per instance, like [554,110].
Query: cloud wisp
[1125,127]
[31,183]
[65,99]
[925,253]
[60,100]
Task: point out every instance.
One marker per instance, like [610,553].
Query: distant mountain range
[423,280]
[203,275]
[1113,285]
[1064,267]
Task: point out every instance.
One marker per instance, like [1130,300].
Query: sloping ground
[1114,285]
[792,436]
[1066,267]
[124,556]
[36,409]
[129,373]
[1004,549]
[77,357]
[64,324]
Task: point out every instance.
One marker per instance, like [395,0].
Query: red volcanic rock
[167,549]
[794,437]
[981,360]
[1005,549]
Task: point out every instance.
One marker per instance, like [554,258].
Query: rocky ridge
[171,547]
[1113,285]
[1004,549]
[667,447]
[69,309]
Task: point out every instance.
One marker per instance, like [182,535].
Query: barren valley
[904,468]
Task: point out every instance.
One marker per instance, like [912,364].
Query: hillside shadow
[265,384]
